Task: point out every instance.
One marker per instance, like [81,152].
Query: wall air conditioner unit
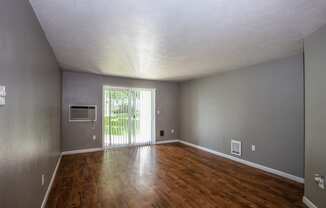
[235,147]
[82,113]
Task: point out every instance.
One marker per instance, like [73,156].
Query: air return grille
[236,147]
[80,113]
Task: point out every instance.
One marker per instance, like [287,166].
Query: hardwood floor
[169,175]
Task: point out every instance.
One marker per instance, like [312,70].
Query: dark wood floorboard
[169,175]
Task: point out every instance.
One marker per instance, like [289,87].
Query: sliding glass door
[128,116]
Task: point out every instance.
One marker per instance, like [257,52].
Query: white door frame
[104,87]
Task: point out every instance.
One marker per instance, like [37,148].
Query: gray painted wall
[315,74]
[30,122]
[261,105]
[84,88]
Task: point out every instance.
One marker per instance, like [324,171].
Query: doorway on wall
[128,116]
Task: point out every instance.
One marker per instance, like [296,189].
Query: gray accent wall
[315,76]
[30,120]
[86,89]
[261,105]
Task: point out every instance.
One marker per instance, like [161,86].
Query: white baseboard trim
[252,164]
[45,199]
[167,141]
[255,165]
[72,152]
[308,203]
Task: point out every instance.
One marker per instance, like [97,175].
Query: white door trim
[153,105]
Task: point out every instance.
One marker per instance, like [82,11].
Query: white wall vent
[235,147]
[82,113]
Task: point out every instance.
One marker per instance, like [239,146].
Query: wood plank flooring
[169,175]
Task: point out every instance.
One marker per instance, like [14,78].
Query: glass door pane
[142,116]
[116,117]
[128,116]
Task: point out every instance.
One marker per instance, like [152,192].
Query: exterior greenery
[121,106]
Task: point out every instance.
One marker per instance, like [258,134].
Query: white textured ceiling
[175,39]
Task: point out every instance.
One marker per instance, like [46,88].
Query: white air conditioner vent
[81,113]
[235,147]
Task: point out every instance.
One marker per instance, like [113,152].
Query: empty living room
[162,104]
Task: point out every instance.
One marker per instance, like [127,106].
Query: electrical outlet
[320,181]
[172,131]
[94,137]
[2,101]
[253,148]
[42,179]
[2,95]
